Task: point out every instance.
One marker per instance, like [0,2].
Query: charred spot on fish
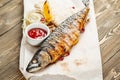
[50,23]
[64,49]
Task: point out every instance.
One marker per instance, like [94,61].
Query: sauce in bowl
[37,33]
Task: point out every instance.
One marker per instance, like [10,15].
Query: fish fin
[86,2]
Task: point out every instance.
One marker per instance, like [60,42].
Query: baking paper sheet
[84,62]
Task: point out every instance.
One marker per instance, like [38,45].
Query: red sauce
[61,58]
[37,33]
[67,54]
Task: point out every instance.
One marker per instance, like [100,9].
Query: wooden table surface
[108,24]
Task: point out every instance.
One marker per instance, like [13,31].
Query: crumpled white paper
[84,62]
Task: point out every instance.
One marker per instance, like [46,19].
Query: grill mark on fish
[72,37]
[54,44]
[64,37]
[58,50]
[66,46]
[49,54]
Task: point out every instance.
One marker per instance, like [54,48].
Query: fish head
[39,61]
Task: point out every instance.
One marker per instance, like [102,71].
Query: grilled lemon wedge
[46,12]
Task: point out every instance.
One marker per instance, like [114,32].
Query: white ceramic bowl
[32,41]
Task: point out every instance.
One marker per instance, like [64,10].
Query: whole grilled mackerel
[60,42]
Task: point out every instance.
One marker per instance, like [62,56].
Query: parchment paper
[84,62]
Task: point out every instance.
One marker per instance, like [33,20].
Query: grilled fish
[60,41]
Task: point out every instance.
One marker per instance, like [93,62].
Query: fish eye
[34,61]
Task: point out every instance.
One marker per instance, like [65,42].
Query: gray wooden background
[108,22]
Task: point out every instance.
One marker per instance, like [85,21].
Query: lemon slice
[46,12]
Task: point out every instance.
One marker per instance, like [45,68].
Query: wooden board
[108,22]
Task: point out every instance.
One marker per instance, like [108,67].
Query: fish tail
[84,19]
[81,19]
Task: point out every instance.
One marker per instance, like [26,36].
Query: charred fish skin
[65,36]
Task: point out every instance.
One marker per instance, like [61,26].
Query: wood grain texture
[108,22]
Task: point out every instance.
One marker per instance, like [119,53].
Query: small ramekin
[36,42]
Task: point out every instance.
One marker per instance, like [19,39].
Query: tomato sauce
[37,33]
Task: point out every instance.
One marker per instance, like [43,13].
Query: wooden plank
[108,16]
[4,2]
[9,54]
[10,15]
[112,72]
